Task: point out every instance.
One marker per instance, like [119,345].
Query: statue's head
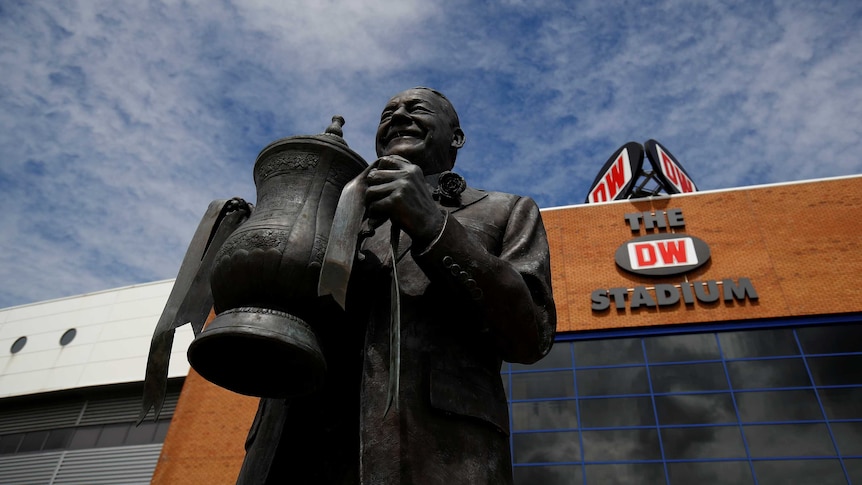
[421,125]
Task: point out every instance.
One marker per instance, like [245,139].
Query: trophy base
[259,352]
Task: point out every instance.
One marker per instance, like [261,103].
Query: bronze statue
[448,281]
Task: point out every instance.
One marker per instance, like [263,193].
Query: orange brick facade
[205,442]
[799,244]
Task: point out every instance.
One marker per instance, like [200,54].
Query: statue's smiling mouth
[404,133]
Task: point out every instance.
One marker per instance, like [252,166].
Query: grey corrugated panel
[28,468]
[120,410]
[102,411]
[170,405]
[37,418]
[109,466]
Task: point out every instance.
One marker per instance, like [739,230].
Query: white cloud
[120,122]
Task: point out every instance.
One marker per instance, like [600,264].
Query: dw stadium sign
[666,254]
[662,254]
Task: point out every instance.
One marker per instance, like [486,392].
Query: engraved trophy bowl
[263,341]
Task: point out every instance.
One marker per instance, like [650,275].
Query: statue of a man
[475,289]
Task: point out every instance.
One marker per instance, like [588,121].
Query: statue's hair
[454,122]
[447,105]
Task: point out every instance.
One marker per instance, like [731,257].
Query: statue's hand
[397,191]
[236,204]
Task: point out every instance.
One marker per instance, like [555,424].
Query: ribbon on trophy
[345,236]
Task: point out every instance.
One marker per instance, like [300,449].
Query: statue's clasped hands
[397,191]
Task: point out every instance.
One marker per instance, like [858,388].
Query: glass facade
[85,437]
[82,419]
[756,406]
[82,436]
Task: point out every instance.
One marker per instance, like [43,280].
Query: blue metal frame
[715,329]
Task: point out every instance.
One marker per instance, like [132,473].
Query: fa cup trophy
[264,276]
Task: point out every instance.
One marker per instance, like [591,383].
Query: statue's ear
[458,138]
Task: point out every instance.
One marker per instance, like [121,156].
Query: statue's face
[416,125]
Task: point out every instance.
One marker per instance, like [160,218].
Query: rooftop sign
[623,176]
[673,177]
[618,174]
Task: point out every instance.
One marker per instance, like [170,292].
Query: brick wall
[798,243]
[205,442]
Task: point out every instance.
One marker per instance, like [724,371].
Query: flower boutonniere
[449,188]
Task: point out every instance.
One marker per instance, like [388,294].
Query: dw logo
[662,254]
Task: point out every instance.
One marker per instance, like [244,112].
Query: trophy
[263,341]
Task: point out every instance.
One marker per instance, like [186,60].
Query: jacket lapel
[468,197]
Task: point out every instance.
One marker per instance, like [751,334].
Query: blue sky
[120,121]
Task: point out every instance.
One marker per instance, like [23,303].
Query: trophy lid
[334,128]
[331,140]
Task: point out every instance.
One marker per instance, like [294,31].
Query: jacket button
[476,293]
[448,261]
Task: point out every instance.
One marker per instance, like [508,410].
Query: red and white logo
[662,254]
[617,175]
[613,180]
[673,173]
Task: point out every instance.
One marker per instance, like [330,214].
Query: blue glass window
[769,404]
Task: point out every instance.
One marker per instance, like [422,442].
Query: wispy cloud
[120,122]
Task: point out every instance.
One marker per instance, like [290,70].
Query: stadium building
[70,388]
[709,338]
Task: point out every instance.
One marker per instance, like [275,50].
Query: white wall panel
[113,328]
[61,377]
[73,355]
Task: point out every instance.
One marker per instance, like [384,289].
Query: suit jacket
[479,294]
